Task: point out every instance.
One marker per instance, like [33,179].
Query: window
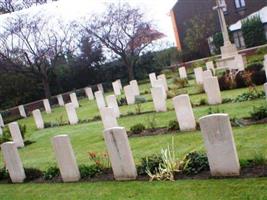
[239,39]
[240,3]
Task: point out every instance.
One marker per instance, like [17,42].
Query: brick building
[184,10]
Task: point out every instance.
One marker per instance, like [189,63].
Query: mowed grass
[250,141]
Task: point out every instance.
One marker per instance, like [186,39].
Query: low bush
[137,128]
[32,174]
[259,113]
[90,171]
[51,173]
[253,67]
[173,125]
[150,163]
[250,95]
[180,82]
[194,163]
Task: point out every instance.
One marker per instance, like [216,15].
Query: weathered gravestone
[164,80]
[2,124]
[89,93]
[38,119]
[108,117]
[13,162]
[129,94]
[16,134]
[120,154]
[74,100]
[71,112]
[100,101]
[22,111]
[212,90]
[135,87]
[47,106]
[100,87]
[210,66]
[184,112]
[112,103]
[65,157]
[182,72]
[199,75]
[116,88]
[152,78]
[159,100]
[60,100]
[220,145]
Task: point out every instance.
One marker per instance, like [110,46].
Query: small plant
[214,110]
[137,128]
[173,125]
[179,82]
[138,101]
[250,95]
[4,173]
[150,163]
[194,162]
[90,171]
[100,159]
[258,159]
[51,173]
[32,174]
[259,113]
[152,123]
[203,102]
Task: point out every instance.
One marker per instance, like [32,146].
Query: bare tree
[32,46]
[124,31]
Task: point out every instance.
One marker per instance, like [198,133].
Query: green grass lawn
[250,141]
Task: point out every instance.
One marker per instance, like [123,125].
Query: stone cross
[220,145]
[2,124]
[116,88]
[60,100]
[39,122]
[159,99]
[129,94]
[120,154]
[47,106]
[13,162]
[108,117]
[184,113]
[71,112]
[16,134]
[22,111]
[199,75]
[100,87]
[212,90]
[74,100]
[65,157]
[89,93]
[164,80]
[100,101]
[112,102]
[152,78]
[182,72]
[135,87]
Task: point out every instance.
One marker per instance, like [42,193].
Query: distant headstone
[13,162]
[38,119]
[135,87]
[2,124]
[60,100]
[116,88]
[160,83]
[265,89]
[119,83]
[184,112]
[65,157]
[207,74]
[220,145]
[100,87]
[108,117]
[199,75]
[129,94]
[120,154]
[74,100]
[182,72]
[89,93]
[16,134]
[212,90]
[22,111]
[71,112]
[164,80]
[112,102]
[100,101]
[47,106]
[210,66]
[159,100]
[152,78]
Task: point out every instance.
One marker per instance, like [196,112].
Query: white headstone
[112,102]
[108,117]
[164,80]
[100,87]
[240,62]
[120,154]
[116,88]
[74,100]
[22,111]
[265,89]
[160,83]
[38,119]
[71,112]
[184,112]
[119,83]
[1,131]
[199,75]
[182,72]
[152,78]
[13,162]
[47,106]
[60,100]
[210,66]
[89,93]
[65,157]
[2,124]
[16,134]
[135,87]
[129,94]
[207,74]
[220,145]
[212,90]
[159,100]
[100,101]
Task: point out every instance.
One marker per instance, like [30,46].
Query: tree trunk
[46,87]
[130,67]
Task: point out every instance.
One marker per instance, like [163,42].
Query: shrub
[51,173]
[250,95]
[137,128]
[179,82]
[194,162]
[32,174]
[152,123]
[150,163]
[254,67]
[173,125]
[89,171]
[139,100]
[203,102]
[3,174]
[100,159]
[259,113]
